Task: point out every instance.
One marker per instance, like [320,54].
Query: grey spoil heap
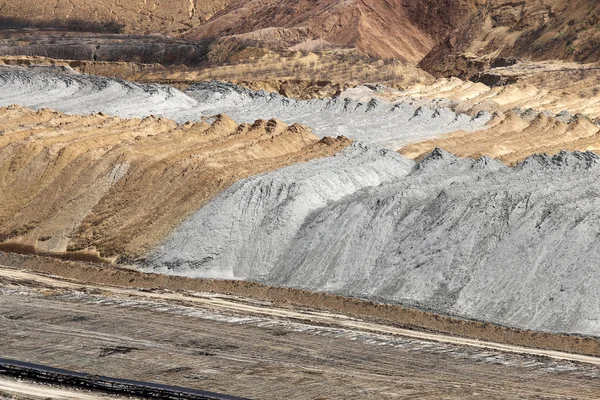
[374,122]
[516,246]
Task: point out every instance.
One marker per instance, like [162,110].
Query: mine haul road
[250,347]
[328,319]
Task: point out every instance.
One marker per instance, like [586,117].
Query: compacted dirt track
[15,389]
[253,349]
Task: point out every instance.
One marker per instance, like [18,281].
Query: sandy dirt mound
[555,90]
[370,120]
[512,138]
[374,122]
[226,241]
[77,183]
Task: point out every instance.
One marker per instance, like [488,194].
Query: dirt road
[233,305]
[251,348]
[18,389]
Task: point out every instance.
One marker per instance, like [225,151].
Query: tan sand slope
[72,183]
[575,92]
[511,139]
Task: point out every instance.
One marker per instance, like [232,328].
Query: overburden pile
[114,188]
[377,122]
[517,246]
[256,198]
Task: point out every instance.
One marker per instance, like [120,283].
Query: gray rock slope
[245,229]
[375,122]
[519,246]
[84,94]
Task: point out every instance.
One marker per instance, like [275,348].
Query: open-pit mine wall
[270,202]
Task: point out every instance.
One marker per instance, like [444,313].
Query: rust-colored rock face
[533,29]
[119,186]
[405,30]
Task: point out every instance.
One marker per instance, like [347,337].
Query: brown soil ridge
[510,139]
[292,74]
[555,87]
[395,315]
[112,187]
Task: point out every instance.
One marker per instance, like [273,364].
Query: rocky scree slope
[111,187]
[377,122]
[517,246]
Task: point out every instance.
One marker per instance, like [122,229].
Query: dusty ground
[134,16]
[221,343]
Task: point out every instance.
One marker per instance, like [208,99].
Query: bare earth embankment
[83,183]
